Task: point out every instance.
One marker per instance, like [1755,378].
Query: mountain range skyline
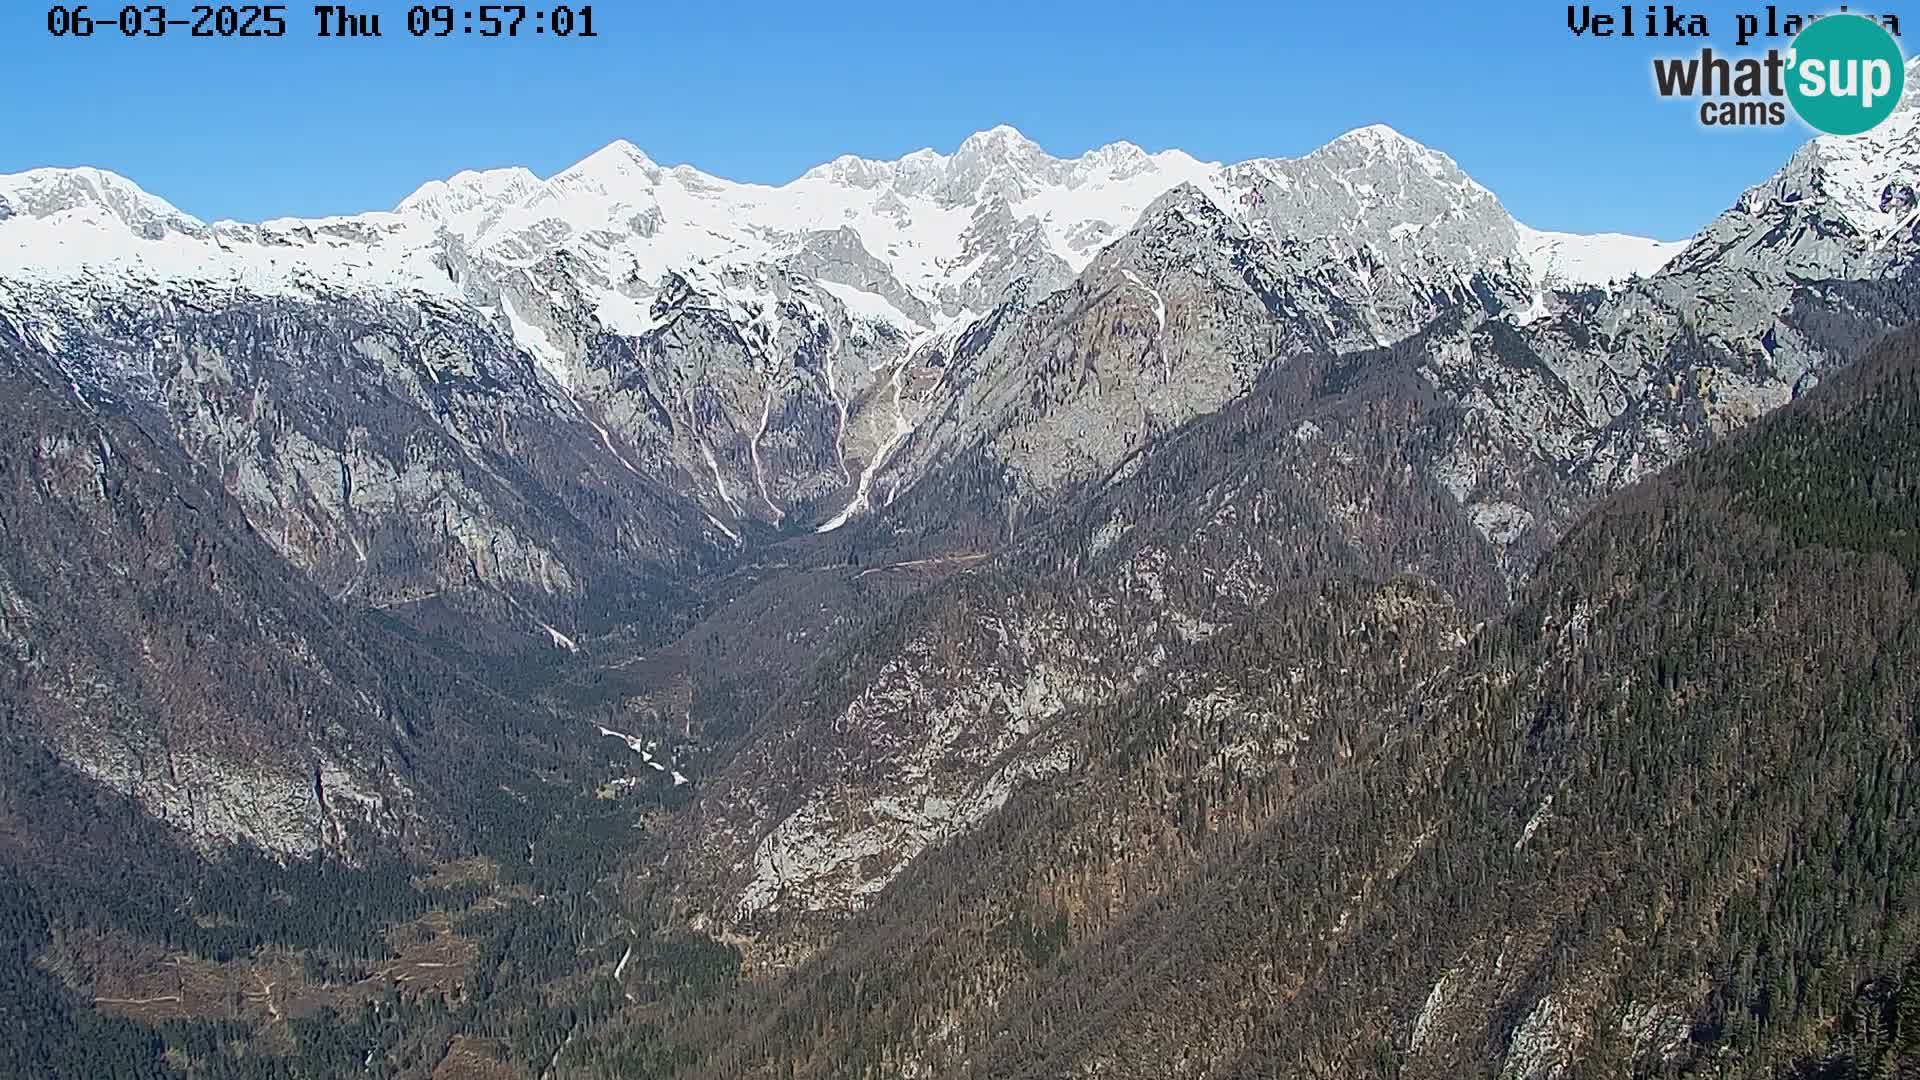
[504,178]
[283,118]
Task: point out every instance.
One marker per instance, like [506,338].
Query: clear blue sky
[1567,132]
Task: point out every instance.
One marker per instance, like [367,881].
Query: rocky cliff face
[394,450]
[1592,390]
[156,646]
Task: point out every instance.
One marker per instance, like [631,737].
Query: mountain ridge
[982,158]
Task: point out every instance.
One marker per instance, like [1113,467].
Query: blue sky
[1567,132]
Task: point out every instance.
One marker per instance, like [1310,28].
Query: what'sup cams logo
[1847,74]
[1842,74]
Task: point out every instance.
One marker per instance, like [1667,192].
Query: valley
[971,615]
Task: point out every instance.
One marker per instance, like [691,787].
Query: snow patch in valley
[647,758]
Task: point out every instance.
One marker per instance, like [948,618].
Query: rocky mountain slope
[147,645]
[1647,823]
[1567,393]
[155,643]
[918,728]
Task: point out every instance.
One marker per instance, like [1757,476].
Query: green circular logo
[1846,74]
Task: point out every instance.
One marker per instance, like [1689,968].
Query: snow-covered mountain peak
[847,170]
[1380,151]
[50,193]
[615,191]
[1002,164]
[615,165]
[467,191]
[1117,157]
[1379,138]
[996,164]
[1124,161]
[1378,146]
[1003,140]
